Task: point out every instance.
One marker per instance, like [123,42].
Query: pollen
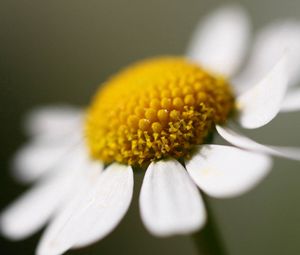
[154,109]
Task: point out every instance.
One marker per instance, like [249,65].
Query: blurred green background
[59,51]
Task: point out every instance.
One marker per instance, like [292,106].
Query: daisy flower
[158,116]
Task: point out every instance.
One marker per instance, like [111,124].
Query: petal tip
[8,229]
[224,171]
[164,211]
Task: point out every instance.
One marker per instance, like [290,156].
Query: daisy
[158,115]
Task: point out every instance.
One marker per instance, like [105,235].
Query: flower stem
[207,239]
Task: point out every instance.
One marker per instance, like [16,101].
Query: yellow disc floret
[154,109]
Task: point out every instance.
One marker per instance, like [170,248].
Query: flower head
[161,115]
[155,109]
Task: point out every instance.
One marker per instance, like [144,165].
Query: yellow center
[154,109]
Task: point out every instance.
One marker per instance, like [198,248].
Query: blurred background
[59,51]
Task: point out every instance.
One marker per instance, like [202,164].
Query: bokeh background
[59,51]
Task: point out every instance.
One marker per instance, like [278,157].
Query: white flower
[83,202]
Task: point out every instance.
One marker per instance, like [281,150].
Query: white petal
[260,104]
[87,184]
[225,171]
[169,202]
[54,122]
[219,43]
[93,214]
[270,44]
[38,158]
[30,212]
[239,140]
[291,101]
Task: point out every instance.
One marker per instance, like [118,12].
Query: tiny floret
[154,109]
